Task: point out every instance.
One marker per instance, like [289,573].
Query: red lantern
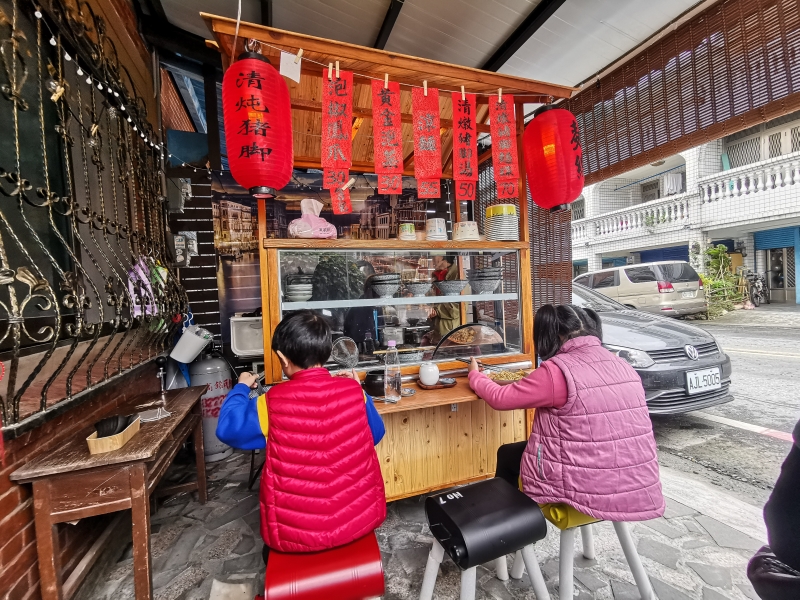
[258,125]
[553,158]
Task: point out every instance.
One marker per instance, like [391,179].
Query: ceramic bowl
[418,288]
[386,290]
[483,286]
[451,288]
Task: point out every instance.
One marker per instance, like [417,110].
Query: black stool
[480,523]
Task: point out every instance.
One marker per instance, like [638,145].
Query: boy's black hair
[554,325]
[303,337]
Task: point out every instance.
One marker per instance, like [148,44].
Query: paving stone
[666,555]
[495,589]
[412,509]
[184,582]
[676,509]
[201,514]
[181,550]
[581,561]
[748,591]
[164,577]
[230,591]
[714,576]
[253,521]
[413,560]
[664,528]
[709,594]
[549,568]
[245,545]
[624,591]
[728,537]
[692,526]
[590,581]
[667,592]
[691,544]
[243,508]
[224,545]
[248,562]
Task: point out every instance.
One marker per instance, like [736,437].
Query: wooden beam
[487,155]
[313,162]
[388,23]
[356,126]
[543,11]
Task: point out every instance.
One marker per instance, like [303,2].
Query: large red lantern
[258,125]
[553,158]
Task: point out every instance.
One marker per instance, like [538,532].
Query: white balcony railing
[762,176]
[639,219]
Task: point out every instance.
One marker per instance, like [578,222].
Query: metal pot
[373,382]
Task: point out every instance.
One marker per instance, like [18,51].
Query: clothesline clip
[463,95]
[337,69]
[330,71]
[298,56]
[386,81]
[425,86]
[350,183]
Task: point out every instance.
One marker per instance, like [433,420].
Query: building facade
[742,191]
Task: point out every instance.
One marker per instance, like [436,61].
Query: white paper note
[290,68]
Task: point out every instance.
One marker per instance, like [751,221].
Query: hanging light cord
[236,37]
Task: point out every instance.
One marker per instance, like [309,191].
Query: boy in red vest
[321,486]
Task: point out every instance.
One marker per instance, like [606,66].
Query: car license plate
[702,381]
[687,294]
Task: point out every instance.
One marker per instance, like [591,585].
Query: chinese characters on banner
[465,146]
[427,142]
[387,137]
[340,199]
[504,146]
[337,142]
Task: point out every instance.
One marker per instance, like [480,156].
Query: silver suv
[669,288]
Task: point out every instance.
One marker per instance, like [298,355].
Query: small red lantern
[258,125]
[553,158]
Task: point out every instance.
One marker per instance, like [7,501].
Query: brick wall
[19,573]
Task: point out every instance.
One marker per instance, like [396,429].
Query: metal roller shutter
[774,238]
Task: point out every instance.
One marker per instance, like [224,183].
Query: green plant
[720,284]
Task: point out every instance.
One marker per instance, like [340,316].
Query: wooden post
[140,517]
[200,458]
[47,543]
[524,221]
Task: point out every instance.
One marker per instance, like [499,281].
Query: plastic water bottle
[392,379]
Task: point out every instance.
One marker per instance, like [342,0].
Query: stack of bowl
[502,223]
[466,231]
[451,288]
[299,292]
[417,288]
[386,285]
[436,230]
[484,281]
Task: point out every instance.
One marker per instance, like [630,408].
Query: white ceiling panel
[584,36]
[186,13]
[464,32]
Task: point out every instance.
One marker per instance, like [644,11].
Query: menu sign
[340,199]
[465,146]
[337,123]
[504,146]
[387,136]
[427,142]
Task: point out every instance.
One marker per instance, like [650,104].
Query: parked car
[669,288]
[682,367]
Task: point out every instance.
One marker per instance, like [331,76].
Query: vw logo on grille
[691,352]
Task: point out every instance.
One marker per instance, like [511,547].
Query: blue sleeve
[238,424]
[375,421]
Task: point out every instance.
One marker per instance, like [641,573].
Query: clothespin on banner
[299,56]
[425,86]
[337,69]
[330,70]
[349,184]
[499,94]
[386,81]
[463,96]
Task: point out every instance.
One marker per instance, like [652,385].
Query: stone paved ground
[689,555]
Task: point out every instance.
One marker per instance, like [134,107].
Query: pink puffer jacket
[322,485]
[597,452]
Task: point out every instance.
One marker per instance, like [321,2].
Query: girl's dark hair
[554,325]
[303,337]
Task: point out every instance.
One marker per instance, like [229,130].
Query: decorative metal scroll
[85,291]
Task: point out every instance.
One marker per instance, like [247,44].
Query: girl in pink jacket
[592,443]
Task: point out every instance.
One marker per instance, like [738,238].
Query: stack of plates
[299,292]
[502,223]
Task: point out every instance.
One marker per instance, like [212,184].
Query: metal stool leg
[501,568]
[435,558]
[537,581]
[469,580]
[518,568]
[634,562]
[566,558]
[588,541]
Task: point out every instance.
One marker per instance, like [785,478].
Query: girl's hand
[474,365]
[349,374]
[249,379]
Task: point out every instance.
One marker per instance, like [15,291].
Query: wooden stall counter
[439,438]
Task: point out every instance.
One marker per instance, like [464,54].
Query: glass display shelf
[321,304]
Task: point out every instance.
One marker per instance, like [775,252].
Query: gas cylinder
[215,374]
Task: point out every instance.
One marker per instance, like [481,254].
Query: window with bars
[650,191]
[774,145]
[745,152]
[795,137]
[578,209]
[790,272]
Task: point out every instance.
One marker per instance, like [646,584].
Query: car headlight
[638,359]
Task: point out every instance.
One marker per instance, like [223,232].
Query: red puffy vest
[321,486]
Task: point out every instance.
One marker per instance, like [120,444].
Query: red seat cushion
[350,572]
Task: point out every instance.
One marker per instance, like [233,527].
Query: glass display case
[415,297]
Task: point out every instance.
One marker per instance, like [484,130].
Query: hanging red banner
[340,199]
[504,145]
[337,120]
[428,188]
[387,127]
[427,140]
[390,183]
[334,178]
[465,146]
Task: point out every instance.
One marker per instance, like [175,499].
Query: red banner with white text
[465,146]
[337,120]
[504,146]
[427,141]
[387,136]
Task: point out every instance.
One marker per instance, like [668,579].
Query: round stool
[481,523]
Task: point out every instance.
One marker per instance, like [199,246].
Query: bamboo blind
[735,65]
